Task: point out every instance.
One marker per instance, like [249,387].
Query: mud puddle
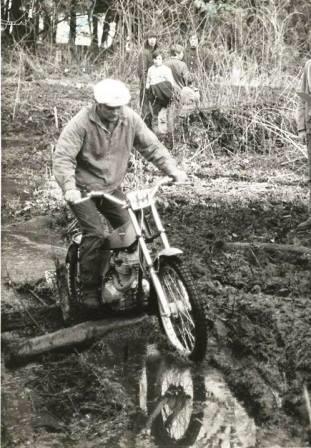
[184,405]
[124,393]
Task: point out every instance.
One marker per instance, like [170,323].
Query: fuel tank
[121,237]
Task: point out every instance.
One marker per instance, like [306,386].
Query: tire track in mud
[260,302]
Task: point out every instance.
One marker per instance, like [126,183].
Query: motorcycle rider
[92,153]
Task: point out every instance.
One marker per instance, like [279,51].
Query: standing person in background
[195,57]
[304,126]
[161,87]
[145,60]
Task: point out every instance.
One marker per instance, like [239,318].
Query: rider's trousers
[94,231]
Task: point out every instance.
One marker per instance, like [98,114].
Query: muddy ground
[258,299]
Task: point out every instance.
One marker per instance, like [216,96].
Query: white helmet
[111,92]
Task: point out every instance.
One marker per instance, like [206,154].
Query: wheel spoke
[176,414]
[181,318]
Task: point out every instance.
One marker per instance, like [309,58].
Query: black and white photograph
[156,224]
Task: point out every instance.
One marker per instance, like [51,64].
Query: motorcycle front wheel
[187,325]
[180,396]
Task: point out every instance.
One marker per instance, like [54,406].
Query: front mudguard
[170,252]
[163,255]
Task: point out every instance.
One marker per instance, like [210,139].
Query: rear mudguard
[166,253]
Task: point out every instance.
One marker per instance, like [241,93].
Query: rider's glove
[73,196]
[179,176]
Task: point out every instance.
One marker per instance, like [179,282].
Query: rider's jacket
[89,157]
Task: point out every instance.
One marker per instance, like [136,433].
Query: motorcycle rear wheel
[71,303]
[187,326]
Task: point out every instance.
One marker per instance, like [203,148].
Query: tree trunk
[15,16]
[5,10]
[95,28]
[72,26]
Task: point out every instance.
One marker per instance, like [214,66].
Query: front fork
[168,251]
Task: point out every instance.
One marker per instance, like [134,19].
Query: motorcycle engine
[120,284]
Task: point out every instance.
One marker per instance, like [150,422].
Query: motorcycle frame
[153,265]
[144,202]
[138,201]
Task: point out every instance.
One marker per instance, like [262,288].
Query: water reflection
[186,406]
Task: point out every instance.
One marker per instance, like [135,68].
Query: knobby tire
[72,290]
[198,308]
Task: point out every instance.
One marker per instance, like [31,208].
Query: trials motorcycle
[144,273]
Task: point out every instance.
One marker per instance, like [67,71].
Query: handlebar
[102,194]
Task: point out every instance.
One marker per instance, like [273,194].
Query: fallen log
[269,247]
[21,351]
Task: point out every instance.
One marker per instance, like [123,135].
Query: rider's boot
[92,280]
